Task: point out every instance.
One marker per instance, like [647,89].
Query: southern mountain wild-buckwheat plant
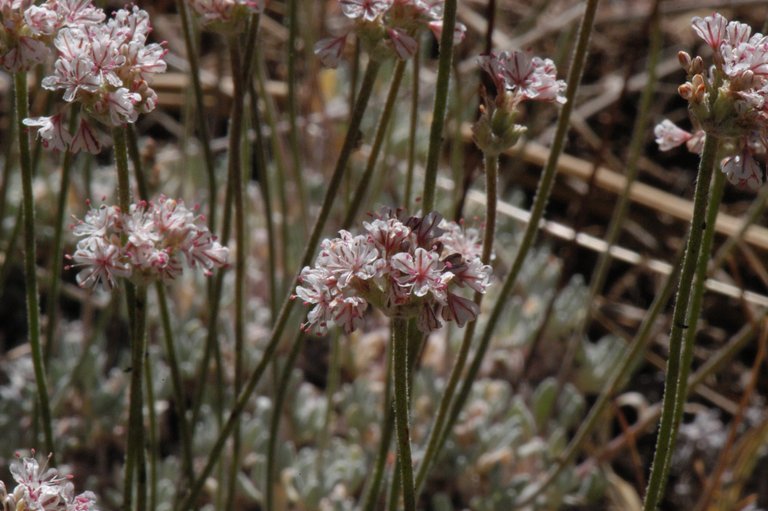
[727,99]
[408,267]
[148,243]
[105,67]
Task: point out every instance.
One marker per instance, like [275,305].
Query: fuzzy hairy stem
[441,101]
[30,258]
[401,395]
[680,323]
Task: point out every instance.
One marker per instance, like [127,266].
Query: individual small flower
[421,273]
[146,243]
[523,75]
[742,170]
[51,131]
[669,135]
[329,50]
[404,266]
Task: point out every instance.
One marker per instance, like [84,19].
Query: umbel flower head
[387,27]
[147,243]
[106,68]
[42,489]
[727,100]
[405,266]
[227,16]
[517,76]
[26,29]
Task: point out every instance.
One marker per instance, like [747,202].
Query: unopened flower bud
[685,60]
[699,88]
[697,66]
[686,91]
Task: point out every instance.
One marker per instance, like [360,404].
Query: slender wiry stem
[393,495]
[152,429]
[30,258]
[400,379]
[665,439]
[413,124]
[287,307]
[491,193]
[331,384]
[543,191]
[202,124]
[371,495]
[135,301]
[56,258]
[270,117]
[236,180]
[134,456]
[134,155]
[293,32]
[176,384]
[8,163]
[695,301]
[441,100]
[378,140]
[259,151]
[274,422]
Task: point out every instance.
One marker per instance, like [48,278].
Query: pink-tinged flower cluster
[386,27]
[226,15]
[405,266]
[106,68]
[517,76]
[728,100]
[147,243]
[523,76]
[26,29]
[43,489]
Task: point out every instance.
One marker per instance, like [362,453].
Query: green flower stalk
[726,104]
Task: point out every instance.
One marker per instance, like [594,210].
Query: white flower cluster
[391,22]
[148,243]
[226,15]
[27,29]
[106,68]
[41,489]
[729,100]
[407,267]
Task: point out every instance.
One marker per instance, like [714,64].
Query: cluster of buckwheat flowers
[226,15]
[27,30]
[728,100]
[105,67]
[386,26]
[406,267]
[517,76]
[42,489]
[147,243]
